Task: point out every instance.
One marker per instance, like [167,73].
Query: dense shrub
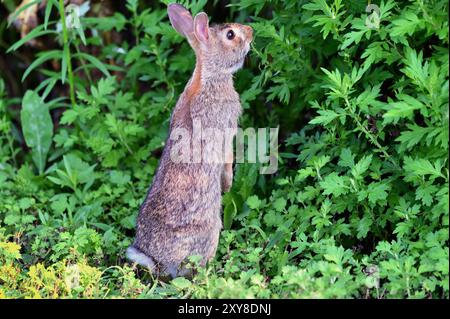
[358,208]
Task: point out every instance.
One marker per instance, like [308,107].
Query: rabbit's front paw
[227,181]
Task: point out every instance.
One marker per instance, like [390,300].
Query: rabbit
[181,214]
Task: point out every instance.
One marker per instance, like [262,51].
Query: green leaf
[119,177]
[362,166]
[325,117]
[415,68]
[402,109]
[45,56]
[37,127]
[352,37]
[229,211]
[105,87]
[35,33]
[406,25]
[401,229]
[107,23]
[377,192]
[423,167]
[181,283]
[279,204]
[94,61]
[334,254]
[253,202]
[48,11]
[80,32]
[425,193]
[346,159]
[364,227]
[413,136]
[334,184]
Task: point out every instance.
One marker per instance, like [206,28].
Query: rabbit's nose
[248,32]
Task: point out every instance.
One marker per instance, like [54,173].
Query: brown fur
[180,216]
[194,87]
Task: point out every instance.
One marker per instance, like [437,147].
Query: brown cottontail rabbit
[180,216]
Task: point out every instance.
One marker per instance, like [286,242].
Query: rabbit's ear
[181,19]
[201,27]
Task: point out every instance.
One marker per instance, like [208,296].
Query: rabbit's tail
[136,255]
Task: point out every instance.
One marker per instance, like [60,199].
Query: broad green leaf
[37,127]
[229,212]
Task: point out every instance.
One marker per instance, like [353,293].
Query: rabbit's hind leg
[177,271]
[185,244]
[211,249]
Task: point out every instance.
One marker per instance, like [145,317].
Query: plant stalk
[67,52]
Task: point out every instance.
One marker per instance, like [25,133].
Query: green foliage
[37,127]
[358,208]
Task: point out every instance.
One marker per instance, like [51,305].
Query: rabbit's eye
[230,35]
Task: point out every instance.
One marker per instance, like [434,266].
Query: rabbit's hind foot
[138,257]
[177,271]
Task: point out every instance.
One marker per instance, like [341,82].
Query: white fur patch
[140,258]
[237,66]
